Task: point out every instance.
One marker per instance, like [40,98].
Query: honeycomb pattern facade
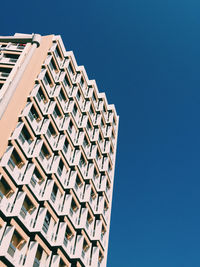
[57,173]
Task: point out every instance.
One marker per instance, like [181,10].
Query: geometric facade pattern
[57,162]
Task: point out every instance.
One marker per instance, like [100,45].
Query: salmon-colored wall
[26,84]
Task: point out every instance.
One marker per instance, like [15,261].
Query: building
[58,140]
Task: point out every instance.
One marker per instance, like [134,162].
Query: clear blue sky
[146,56]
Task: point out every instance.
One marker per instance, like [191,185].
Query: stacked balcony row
[42,220]
[9,55]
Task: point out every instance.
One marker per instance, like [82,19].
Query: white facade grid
[57,173]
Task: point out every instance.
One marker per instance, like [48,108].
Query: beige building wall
[9,120]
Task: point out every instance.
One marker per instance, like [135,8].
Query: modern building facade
[58,140]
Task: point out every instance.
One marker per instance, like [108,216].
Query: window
[74,206]
[33,114]
[46,222]
[109,167]
[105,206]
[44,153]
[51,131]
[111,150]
[75,109]
[88,125]
[70,127]
[17,242]
[113,137]
[66,82]
[47,80]
[36,178]
[78,181]
[54,193]
[100,256]
[70,68]
[25,135]
[68,233]
[109,114]
[52,65]
[82,82]
[5,189]
[89,218]
[100,139]
[58,53]
[107,186]
[85,246]
[96,175]
[62,96]
[114,120]
[93,195]
[40,253]
[102,123]
[40,96]
[5,71]
[94,98]
[78,95]
[99,103]
[66,144]
[105,144]
[60,167]
[82,161]
[85,142]
[103,230]
[3,45]
[98,156]
[12,57]
[27,207]
[57,112]
[15,160]
[21,46]
[62,264]
[91,110]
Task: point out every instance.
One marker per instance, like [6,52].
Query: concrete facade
[58,139]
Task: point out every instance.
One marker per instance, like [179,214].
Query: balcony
[74,213]
[26,144]
[42,102]
[59,119]
[34,121]
[45,160]
[78,190]
[53,70]
[58,57]
[52,138]
[63,102]
[14,163]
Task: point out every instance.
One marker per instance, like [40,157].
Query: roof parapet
[22,38]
